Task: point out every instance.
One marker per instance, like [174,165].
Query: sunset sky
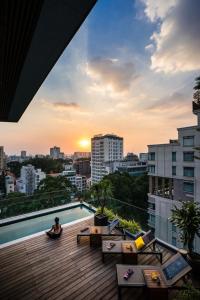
[129,70]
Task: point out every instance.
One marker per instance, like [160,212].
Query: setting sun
[84,143]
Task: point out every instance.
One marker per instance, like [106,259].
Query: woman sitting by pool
[56,229]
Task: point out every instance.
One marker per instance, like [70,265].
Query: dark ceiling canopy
[33,35]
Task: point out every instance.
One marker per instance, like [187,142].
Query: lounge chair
[149,242]
[146,240]
[113,229]
[175,269]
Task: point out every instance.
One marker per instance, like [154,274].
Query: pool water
[27,227]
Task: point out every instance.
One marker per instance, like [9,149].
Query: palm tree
[196,95]
[102,191]
[106,192]
[187,219]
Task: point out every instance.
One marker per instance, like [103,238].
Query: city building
[131,157]
[174,176]
[81,183]
[55,152]
[133,168]
[70,174]
[2,161]
[143,157]
[105,148]
[39,175]
[82,167]
[9,184]
[29,179]
[77,155]
[23,154]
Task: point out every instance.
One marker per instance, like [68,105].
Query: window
[173,228]
[174,241]
[151,155]
[173,156]
[188,156]
[173,170]
[151,168]
[188,141]
[152,218]
[188,171]
[188,187]
[152,206]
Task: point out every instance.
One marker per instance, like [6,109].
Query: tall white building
[30,179]
[174,175]
[105,148]
[55,152]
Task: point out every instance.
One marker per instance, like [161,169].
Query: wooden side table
[95,236]
[155,291]
[129,253]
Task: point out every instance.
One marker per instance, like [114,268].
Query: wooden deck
[40,268]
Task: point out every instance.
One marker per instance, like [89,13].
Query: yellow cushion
[139,243]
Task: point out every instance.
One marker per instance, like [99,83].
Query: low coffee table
[136,280]
[117,249]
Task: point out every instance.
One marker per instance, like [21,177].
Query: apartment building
[105,148]
[174,176]
[55,152]
[29,179]
[82,167]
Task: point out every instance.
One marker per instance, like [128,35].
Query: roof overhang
[33,35]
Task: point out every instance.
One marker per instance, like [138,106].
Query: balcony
[40,268]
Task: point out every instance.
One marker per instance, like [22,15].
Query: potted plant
[102,191]
[187,219]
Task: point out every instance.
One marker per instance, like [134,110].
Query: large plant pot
[100,220]
[194,261]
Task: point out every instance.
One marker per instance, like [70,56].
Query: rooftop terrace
[40,268]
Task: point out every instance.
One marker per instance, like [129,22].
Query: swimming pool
[40,223]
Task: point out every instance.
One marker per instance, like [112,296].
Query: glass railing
[146,217]
[15,206]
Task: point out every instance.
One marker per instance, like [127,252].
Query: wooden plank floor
[40,268]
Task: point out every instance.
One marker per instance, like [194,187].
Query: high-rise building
[1,158]
[30,179]
[105,148]
[174,176]
[55,152]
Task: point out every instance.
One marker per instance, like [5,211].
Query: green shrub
[189,293]
[130,225]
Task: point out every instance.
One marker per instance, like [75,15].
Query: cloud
[59,106]
[157,9]
[175,100]
[177,41]
[112,72]
[65,105]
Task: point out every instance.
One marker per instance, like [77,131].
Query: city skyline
[129,70]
